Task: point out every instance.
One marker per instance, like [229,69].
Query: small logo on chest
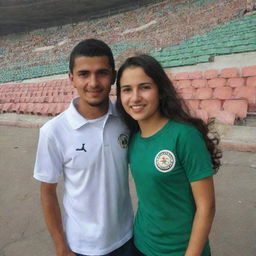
[82,148]
[123,140]
[165,161]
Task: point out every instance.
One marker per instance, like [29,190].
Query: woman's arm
[203,192]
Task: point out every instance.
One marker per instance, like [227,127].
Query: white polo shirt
[92,156]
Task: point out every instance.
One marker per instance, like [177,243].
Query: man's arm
[203,192]
[52,215]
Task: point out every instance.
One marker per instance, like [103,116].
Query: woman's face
[139,95]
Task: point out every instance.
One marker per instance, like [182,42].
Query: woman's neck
[150,127]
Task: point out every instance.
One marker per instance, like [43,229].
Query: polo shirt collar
[76,120]
[112,108]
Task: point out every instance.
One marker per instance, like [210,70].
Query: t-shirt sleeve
[194,155]
[48,164]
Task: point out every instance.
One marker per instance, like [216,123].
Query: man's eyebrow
[103,69]
[83,71]
[100,69]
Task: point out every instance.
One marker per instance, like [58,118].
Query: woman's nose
[136,96]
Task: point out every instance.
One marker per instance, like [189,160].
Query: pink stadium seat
[1,107]
[223,116]
[210,105]
[30,107]
[223,93]
[245,92]
[199,83]
[203,114]
[192,104]
[187,93]
[22,109]
[238,107]
[203,93]
[7,107]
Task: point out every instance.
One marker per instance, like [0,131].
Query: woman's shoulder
[183,127]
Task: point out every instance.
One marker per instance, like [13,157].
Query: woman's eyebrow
[143,83]
[140,84]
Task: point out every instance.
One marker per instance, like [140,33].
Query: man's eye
[83,74]
[103,73]
[125,89]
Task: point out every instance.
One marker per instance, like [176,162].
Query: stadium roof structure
[26,15]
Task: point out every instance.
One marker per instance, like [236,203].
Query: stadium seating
[226,95]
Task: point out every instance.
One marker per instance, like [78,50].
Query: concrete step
[239,137]
[249,121]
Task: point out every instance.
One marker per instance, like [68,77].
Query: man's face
[92,77]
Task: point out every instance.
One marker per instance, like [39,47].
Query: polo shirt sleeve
[194,155]
[48,165]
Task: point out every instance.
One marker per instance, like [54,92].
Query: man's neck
[92,112]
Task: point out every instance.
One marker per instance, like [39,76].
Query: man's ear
[71,76]
[113,77]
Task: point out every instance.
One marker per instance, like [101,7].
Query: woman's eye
[145,87]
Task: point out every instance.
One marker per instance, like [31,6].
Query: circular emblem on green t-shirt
[164,161]
[123,140]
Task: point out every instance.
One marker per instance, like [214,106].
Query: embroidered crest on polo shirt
[165,161]
[123,140]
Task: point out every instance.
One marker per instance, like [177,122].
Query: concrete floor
[23,232]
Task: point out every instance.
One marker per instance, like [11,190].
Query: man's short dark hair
[91,48]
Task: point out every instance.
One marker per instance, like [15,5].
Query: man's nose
[93,80]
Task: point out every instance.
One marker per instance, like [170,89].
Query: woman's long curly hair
[170,105]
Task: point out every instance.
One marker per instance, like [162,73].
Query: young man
[87,143]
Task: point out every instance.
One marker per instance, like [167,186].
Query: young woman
[172,160]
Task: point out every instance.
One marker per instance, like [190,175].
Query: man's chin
[98,103]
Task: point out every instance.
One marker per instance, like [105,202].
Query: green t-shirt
[163,165]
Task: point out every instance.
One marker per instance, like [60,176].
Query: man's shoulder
[114,111]
[55,123]
[113,107]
